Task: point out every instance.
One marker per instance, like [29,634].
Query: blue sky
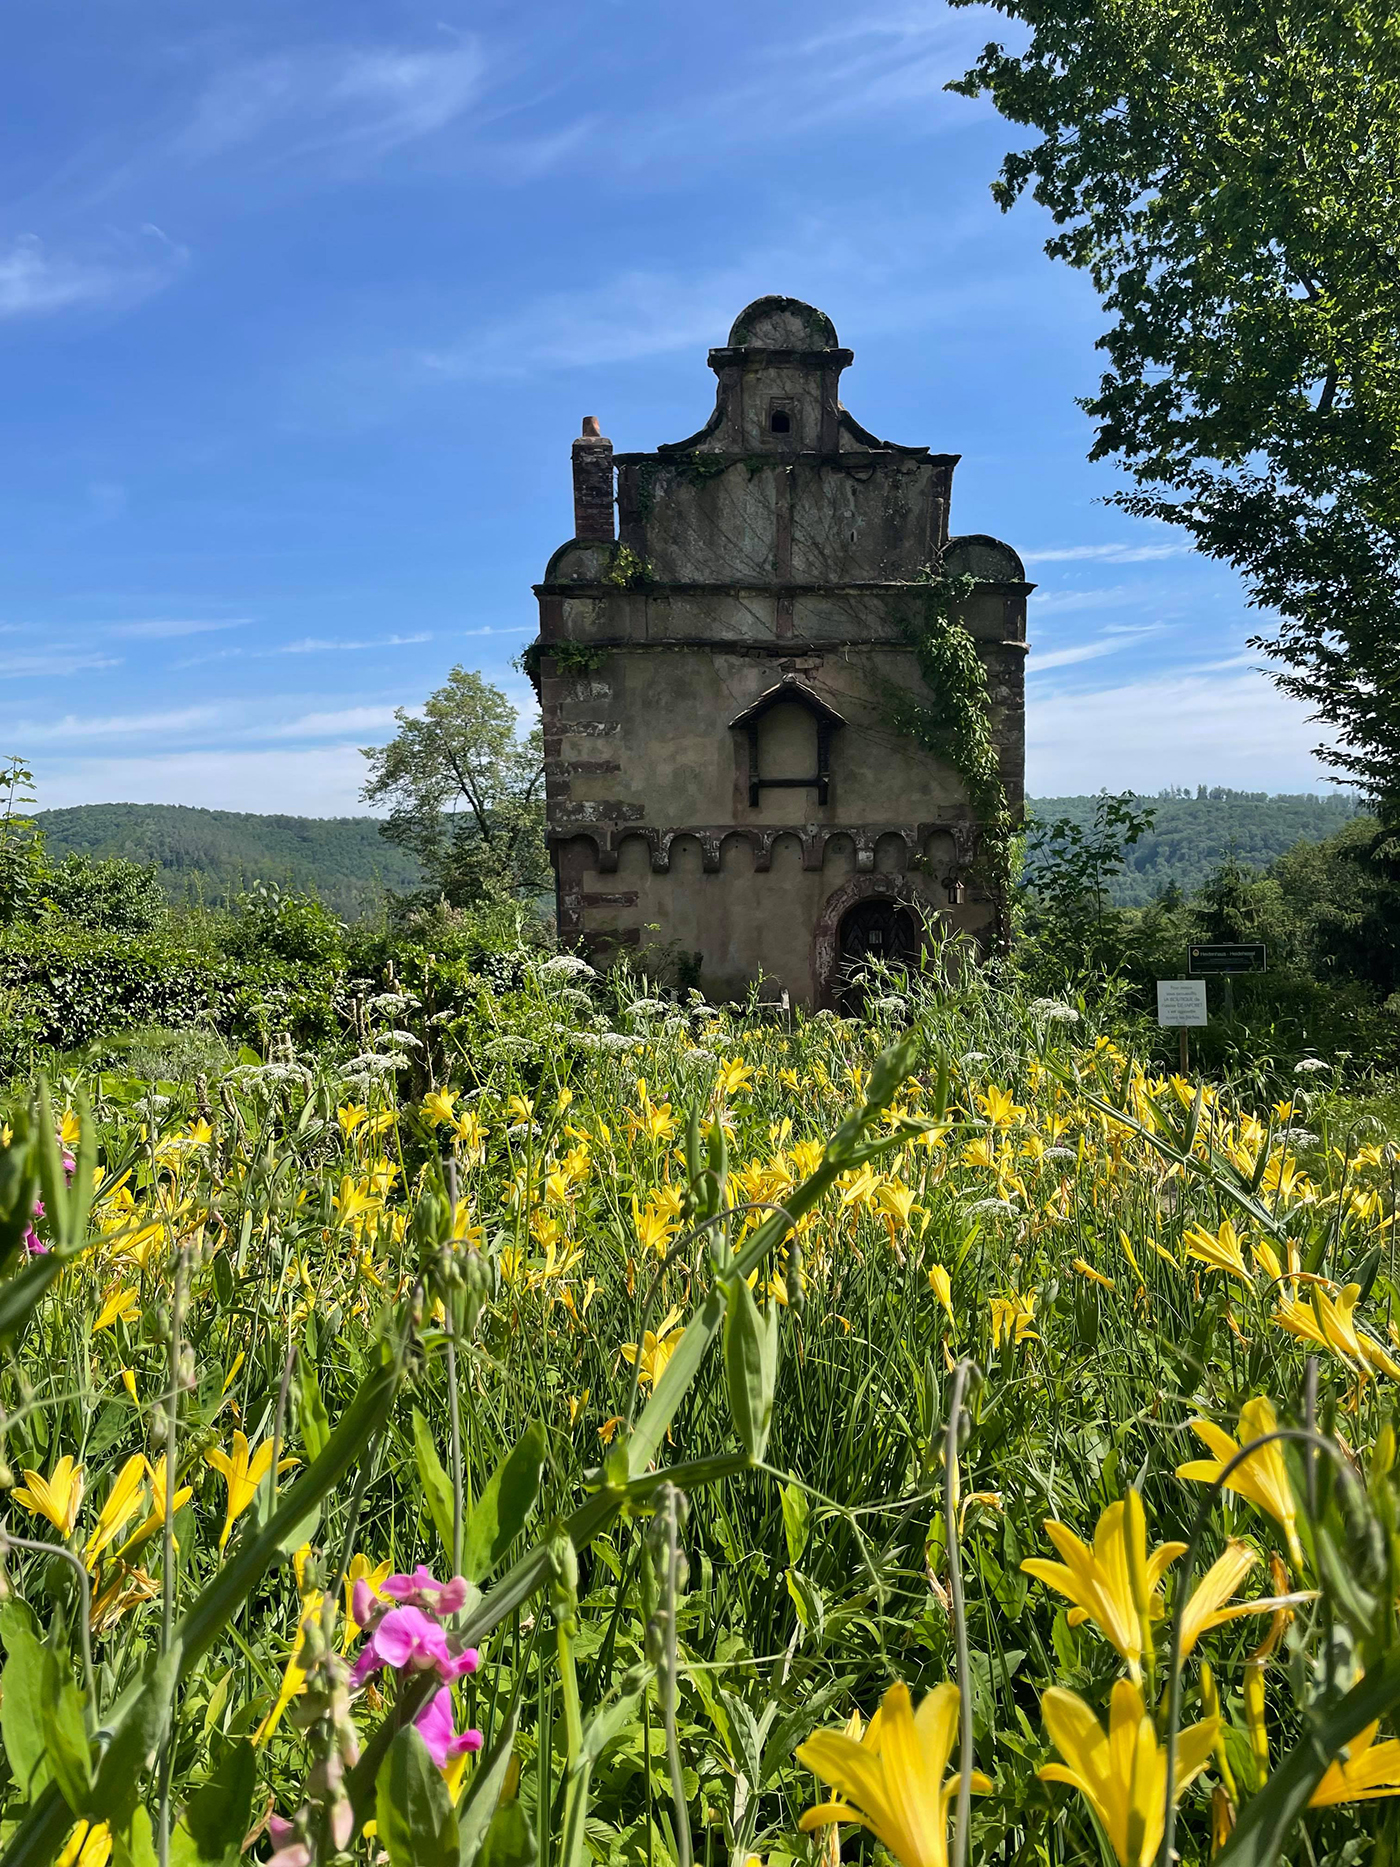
[301,305]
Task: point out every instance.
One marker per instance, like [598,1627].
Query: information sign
[1215,960]
[1181,1001]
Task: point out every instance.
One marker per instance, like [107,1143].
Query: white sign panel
[1181,1001]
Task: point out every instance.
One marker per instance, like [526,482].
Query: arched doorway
[900,908]
[878,929]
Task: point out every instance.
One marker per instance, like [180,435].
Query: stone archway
[914,894]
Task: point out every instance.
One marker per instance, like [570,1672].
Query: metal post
[1183,1049]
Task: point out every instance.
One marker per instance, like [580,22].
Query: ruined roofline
[1008,586]
[674,452]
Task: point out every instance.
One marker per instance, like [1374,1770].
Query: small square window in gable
[782,419]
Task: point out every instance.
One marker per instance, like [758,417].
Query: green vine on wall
[955,724]
[626,569]
[568,658]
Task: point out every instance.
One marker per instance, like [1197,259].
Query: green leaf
[477,1808]
[649,1431]
[510,1840]
[311,1409]
[21,1703]
[504,1507]
[437,1486]
[135,1743]
[750,1365]
[135,1848]
[605,1724]
[417,1823]
[65,1733]
[796,1512]
[218,1816]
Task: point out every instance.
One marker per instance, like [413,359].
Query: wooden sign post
[1181,1002]
[1223,962]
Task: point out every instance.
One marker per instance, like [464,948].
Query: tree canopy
[1228,173]
[464,790]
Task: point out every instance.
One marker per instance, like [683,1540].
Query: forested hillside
[1196,830]
[210,856]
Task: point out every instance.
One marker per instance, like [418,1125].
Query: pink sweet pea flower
[408,1640]
[435,1726]
[291,1851]
[423,1590]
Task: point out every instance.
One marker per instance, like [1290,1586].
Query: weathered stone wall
[773,560]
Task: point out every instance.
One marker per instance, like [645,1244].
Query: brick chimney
[593,485]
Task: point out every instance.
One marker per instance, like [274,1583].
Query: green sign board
[1202,960]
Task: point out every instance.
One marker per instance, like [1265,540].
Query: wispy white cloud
[161,629]
[333,724]
[647,312]
[361,101]
[73,726]
[316,645]
[891,66]
[1125,553]
[36,281]
[1109,643]
[1115,596]
[57,662]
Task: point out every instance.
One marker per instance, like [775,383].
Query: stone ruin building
[724,778]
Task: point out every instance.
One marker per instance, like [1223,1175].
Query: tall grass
[493,1236]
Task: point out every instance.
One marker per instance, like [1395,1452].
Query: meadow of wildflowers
[575,1425]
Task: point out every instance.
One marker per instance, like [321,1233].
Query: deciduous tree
[464,789]
[1228,173]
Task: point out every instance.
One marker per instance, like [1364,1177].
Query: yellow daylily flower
[1115,1583]
[895,1776]
[438,1105]
[999,1106]
[122,1305]
[941,1285]
[1221,1250]
[1328,1322]
[1086,1269]
[656,1225]
[1206,1608]
[294,1677]
[89,1845]
[154,1519]
[1012,1316]
[1369,1770]
[351,1117]
[242,1474]
[58,1497]
[69,1130]
[361,1569]
[1262,1478]
[123,1501]
[656,1350]
[1122,1772]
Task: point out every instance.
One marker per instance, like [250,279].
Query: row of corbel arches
[889,849]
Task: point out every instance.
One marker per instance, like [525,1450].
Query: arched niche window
[768,765]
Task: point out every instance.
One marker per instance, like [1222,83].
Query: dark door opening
[878,929]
